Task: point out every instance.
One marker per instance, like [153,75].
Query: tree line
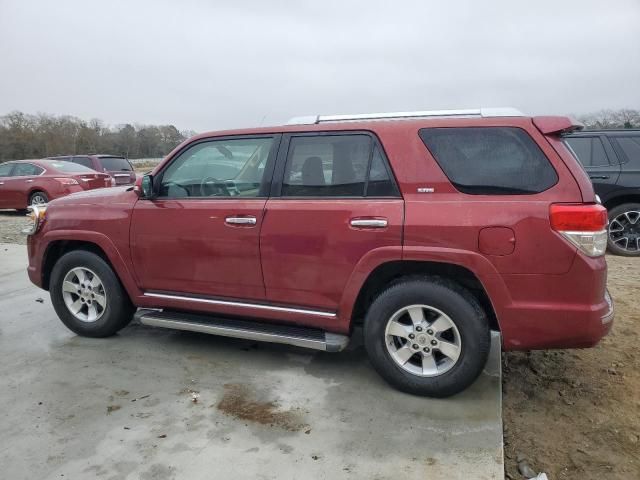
[42,135]
[608,119]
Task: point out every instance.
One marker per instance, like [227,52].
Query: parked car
[612,160]
[118,167]
[36,182]
[428,229]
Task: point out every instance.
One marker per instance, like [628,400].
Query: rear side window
[630,146]
[336,166]
[588,150]
[490,160]
[26,169]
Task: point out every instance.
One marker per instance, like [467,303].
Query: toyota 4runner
[427,229]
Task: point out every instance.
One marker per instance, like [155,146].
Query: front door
[200,235]
[335,201]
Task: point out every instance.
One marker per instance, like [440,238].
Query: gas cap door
[499,241]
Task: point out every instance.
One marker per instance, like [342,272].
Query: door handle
[240,221]
[598,177]
[369,222]
[1,183]
[29,181]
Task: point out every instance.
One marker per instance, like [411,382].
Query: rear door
[22,182]
[5,173]
[334,200]
[603,169]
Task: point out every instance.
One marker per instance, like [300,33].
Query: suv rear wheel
[427,336]
[87,295]
[624,230]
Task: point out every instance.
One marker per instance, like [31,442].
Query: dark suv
[118,167]
[426,229]
[612,160]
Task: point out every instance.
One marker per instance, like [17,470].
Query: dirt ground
[573,414]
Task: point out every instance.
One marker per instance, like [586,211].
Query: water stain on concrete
[237,402]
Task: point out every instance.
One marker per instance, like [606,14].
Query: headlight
[36,217]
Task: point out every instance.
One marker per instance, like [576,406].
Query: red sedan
[31,182]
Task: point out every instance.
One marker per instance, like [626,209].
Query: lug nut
[426,350]
[412,336]
[418,329]
[415,345]
[430,332]
[433,342]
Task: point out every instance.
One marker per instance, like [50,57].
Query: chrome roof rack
[471,112]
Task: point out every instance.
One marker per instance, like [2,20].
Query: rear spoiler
[552,125]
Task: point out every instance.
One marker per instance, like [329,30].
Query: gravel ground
[574,414]
[11,222]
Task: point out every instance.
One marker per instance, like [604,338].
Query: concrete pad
[152,403]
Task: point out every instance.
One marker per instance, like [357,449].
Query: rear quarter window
[490,160]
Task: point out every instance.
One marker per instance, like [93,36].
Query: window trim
[278,177]
[267,177]
[551,164]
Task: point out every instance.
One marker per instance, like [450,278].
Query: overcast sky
[207,65]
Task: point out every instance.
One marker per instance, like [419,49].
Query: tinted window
[630,146]
[380,183]
[490,160]
[68,167]
[115,164]
[5,169]
[588,150]
[327,165]
[84,161]
[26,169]
[232,167]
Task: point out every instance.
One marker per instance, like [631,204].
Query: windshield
[67,167]
[115,164]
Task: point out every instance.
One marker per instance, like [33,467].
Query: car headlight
[36,217]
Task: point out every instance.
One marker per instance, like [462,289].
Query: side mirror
[144,186]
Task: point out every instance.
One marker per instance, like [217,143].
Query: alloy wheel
[84,294]
[423,340]
[624,231]
[38,199]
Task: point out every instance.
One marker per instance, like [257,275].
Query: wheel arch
[100,246]
[390,272]
[617,200]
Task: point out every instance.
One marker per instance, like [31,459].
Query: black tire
[37,194]
[618,248]
[453,300]
[118,311]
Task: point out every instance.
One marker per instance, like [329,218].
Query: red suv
[428,229]
[119,168]
[35,182]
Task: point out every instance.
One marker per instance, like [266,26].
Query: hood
[99,196]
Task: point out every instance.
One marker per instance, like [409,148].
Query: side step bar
[250,330]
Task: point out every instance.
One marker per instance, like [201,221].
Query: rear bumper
[573,310]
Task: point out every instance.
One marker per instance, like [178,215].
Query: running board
[246,329]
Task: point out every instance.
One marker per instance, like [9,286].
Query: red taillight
[583,225]
[578,217]
[66,181]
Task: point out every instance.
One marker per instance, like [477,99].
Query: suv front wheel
[427,336]
[87,295]
[624,230]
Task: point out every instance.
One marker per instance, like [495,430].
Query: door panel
[190,246]
[309,247]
